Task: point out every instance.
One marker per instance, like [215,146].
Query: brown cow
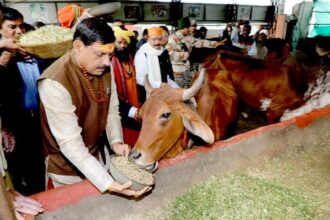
[217,103]
[273,87]
[166,116]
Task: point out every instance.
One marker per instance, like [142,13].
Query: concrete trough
[177,175]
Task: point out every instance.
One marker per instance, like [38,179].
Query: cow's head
[164,117]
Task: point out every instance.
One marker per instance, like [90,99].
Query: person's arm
[63,123]
[85,14]
[113,126]
[203,43]
[115,137]
[9,44]
[172,83]
[175,52]
[5,58]
[9,142]
[127,110]
[64,127]
[134,113]
[256,35]
[8,49]
[141,67]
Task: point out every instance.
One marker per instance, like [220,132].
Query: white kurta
[146,62]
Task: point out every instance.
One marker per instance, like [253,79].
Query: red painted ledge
[70,194]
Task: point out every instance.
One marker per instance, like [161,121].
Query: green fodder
[239,196]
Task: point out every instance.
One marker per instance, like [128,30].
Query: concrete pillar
[280,26]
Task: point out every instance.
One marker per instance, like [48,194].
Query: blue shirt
[30,73]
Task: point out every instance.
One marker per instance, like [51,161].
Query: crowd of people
[239,35]
[59,114]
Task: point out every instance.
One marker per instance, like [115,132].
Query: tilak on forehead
[109,48]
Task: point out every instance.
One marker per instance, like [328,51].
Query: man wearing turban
[70,15]
[125,78]
[153,59]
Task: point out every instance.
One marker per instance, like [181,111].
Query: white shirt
[258,52]
[143,66]
[234,35]
[63,123]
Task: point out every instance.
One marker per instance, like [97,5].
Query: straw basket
[50,50]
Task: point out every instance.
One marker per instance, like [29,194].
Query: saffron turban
[68,15]
[155,31]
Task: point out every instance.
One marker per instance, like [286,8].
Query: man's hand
[124,189]
[244,51]
[121,149]
[185,56]
[5,58]
[137,115]
[86,14]
[8,141]
[24,205]
[220,43]
[10,45]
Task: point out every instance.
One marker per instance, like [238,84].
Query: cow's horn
[195,87]
[147,85]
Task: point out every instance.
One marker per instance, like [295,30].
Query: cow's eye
[165,115]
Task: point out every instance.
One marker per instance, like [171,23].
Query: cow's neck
[179,146]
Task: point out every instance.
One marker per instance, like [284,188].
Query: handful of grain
[49,34]
[132,171]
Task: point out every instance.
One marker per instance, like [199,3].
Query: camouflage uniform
[177,46]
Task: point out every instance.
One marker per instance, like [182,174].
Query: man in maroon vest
[78,104]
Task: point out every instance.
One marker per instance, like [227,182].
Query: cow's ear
[195,125]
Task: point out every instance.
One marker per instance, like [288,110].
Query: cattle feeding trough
[177,175]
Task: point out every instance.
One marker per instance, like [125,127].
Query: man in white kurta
[153,60]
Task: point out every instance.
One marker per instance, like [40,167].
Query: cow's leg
[273,116]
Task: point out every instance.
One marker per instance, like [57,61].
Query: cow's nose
[134,154]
